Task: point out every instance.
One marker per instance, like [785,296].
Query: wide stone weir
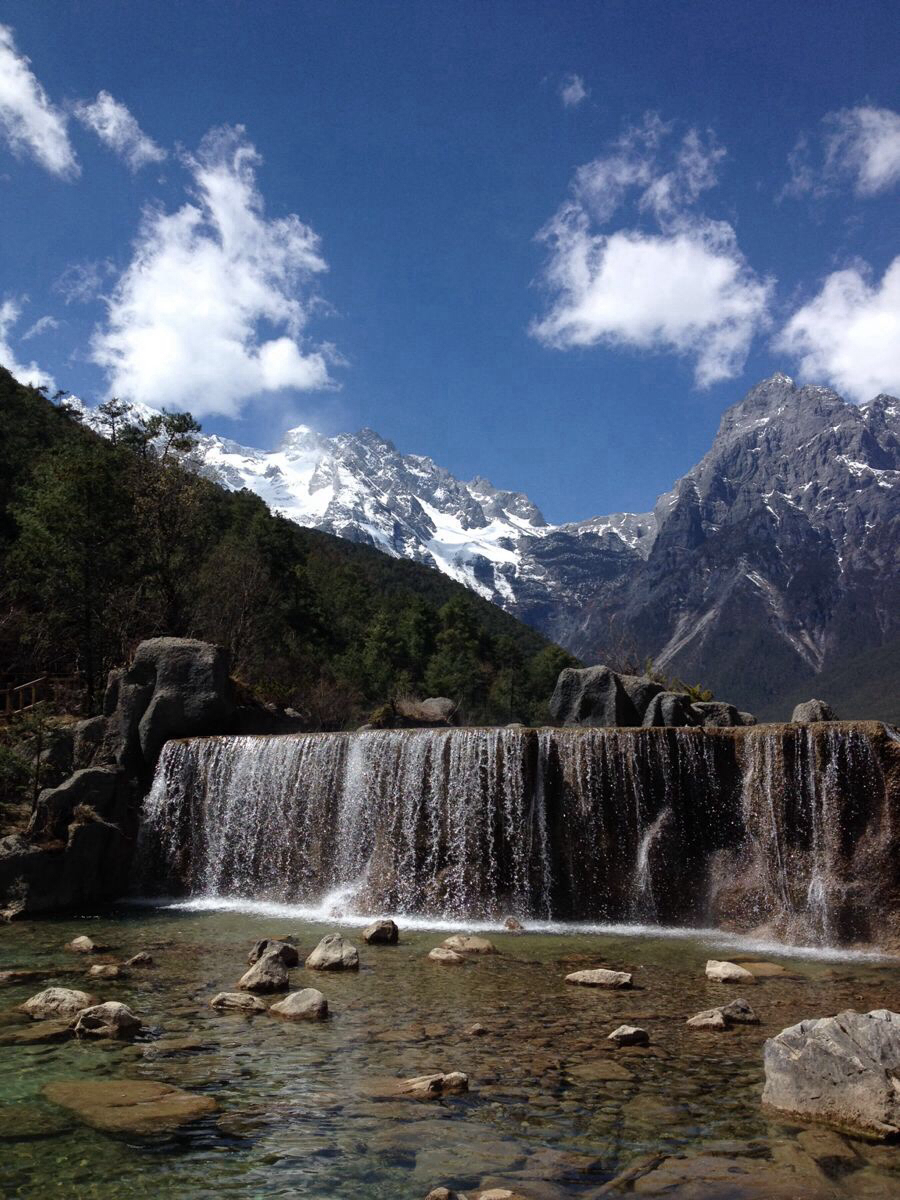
[779,829]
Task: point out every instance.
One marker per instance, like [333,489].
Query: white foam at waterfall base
[332,911]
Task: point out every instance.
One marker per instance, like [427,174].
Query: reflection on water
[302,1114]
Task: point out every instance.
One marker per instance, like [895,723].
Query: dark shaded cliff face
[776,558]
[791,831]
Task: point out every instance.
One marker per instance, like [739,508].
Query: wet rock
[592,696]
[106,971]
[128,1105]
[432,1087]
[237,1001]
[141,959]
[629,1035]
[283,950]
[306,1005]
[269,974]
[37,1033]
[764,970]
[513,925]
[381,933]
[728,972]
[476,1030]
[842,1071]
[600,977]
[672,709]
[174,1047]
[57,1004]
[442,1193]
[333,954]
[600,1070]
[739,1012]
[811,711]
[109,1020]
[10,978]
[710,1018]
[449,958]
[469,943]
[716,714]
[85,945]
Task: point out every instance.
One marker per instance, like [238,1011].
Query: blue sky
[543,243]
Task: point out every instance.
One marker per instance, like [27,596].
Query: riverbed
[308,1110]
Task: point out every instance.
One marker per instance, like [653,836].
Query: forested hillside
[105,541]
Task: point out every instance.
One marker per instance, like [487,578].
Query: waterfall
[750,828]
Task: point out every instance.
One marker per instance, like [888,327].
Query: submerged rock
[728,972]
[129,1105]
[59,1003]
[629,1035]
[600,977]
[269,974]
[333,954]
[381,933]
[110,1020]
[306,1005]
[239,1001]
[106,971]
[469,943]
[843,1071]
[37,1033]
[283,950]
[141,959]
[431,1087]
[440,954]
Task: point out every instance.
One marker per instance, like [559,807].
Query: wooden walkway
[22,697]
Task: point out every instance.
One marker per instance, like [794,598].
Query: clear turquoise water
[302,1108]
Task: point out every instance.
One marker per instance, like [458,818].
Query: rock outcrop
[810,711]
[79,843]
[601,697]
[843,1071]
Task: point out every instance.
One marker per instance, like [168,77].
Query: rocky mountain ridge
[774,559]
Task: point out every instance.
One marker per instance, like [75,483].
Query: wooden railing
[22,697]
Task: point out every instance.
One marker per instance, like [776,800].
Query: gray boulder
[843,1071]
[283,950]
[110,1020]
[175,687]
[592,696]
[381,933]
[333,954]
[716,714]
[57,1003]
[306,1005]
[640,690]
[669,709]
[268,974]
[811,711]
[437,710]
[87,736]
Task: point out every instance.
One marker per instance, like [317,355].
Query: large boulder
[333,954]
[57,1003]
[811,711]
[843,1071]
[286,951]
[436,711]
[306,1005]
[716,714]
[381,933]
[641,690]
[110,1020]
[592,696]
[669,709]
[268,974]
[175,687]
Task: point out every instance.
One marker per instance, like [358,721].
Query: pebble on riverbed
[432,1087]
[738,1012]
[237,1002]
[141,959]
[84,945]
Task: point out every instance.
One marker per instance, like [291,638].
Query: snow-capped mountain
[771,561]
[359,486]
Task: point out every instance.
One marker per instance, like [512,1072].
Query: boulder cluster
[603,697]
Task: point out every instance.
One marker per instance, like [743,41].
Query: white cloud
[849,334]
[683,286]
[28,120]
[80,283]
[187,320]
[859,145]
[41,325]
[572,91]
[116,128]
[32,374]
